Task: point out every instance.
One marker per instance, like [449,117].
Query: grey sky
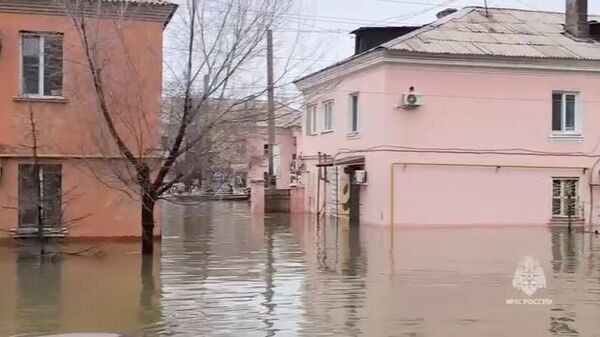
[316,33]
[345,15]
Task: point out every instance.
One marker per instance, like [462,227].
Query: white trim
[42,41]
[577,131]
[353,135]
[565,138]
[350,125]
[328,128]
[563,197]
[311,119]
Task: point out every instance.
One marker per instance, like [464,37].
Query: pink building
[479,118]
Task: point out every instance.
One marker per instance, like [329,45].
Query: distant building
[483,117]
[45,80]
[231,142]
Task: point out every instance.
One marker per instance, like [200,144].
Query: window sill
[49,232]
[353,135]
[45,99]
[326,131]
[565,138]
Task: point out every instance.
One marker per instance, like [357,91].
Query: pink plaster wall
[285,139]
[465,108]
[73,126]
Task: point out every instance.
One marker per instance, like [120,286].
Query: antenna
[487,12]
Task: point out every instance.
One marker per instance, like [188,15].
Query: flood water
[221,272]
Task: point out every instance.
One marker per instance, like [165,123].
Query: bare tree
[218,43]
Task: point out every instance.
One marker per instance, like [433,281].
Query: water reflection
[224,273]
[38,290]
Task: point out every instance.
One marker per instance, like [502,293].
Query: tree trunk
[148,203]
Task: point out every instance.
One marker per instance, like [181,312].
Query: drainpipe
[392,175]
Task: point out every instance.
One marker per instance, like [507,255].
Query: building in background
[49,115]
[231,143]
[483,117]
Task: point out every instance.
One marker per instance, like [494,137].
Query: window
[564,113]
[328,116]
[565,196]
[353,114]
[43,189]
[41,64]
[311,120]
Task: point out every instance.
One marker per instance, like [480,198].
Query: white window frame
[563,114]
[563,197]
[327,110]
[351,129]
[42,40]
[311,119]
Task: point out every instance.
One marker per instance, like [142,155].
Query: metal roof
[505,32]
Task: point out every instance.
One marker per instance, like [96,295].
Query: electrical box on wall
[360,177]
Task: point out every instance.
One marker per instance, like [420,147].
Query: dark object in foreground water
[596,232]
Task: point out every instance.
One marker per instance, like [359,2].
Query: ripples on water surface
[223,273]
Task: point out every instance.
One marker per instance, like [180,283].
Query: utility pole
[271,106]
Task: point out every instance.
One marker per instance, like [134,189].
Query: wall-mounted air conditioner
[412,100]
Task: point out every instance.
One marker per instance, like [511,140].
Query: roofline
[385,56]
[154,12]
[423,28]
[174,8]
[519,9]
[434,58]
[298,81]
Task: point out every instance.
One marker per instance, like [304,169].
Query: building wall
[131,55]
[285,139]
[92,208]
[64,126]
[503,112]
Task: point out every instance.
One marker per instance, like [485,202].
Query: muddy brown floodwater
[223,273]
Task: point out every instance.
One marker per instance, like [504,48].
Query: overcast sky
[345,15]
[324,25]
[317,31]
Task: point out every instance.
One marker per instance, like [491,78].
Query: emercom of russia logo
[529,277]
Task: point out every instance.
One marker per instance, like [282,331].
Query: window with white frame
[565,197]
[311,119]
[328,116]
[42,64]
[353,114]
[565,114]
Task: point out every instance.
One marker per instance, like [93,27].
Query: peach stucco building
[479,118]
[45,82]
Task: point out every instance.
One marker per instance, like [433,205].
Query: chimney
[446,12]
[577,18]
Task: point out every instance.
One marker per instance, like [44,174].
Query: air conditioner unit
[412,100]
[360,177]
